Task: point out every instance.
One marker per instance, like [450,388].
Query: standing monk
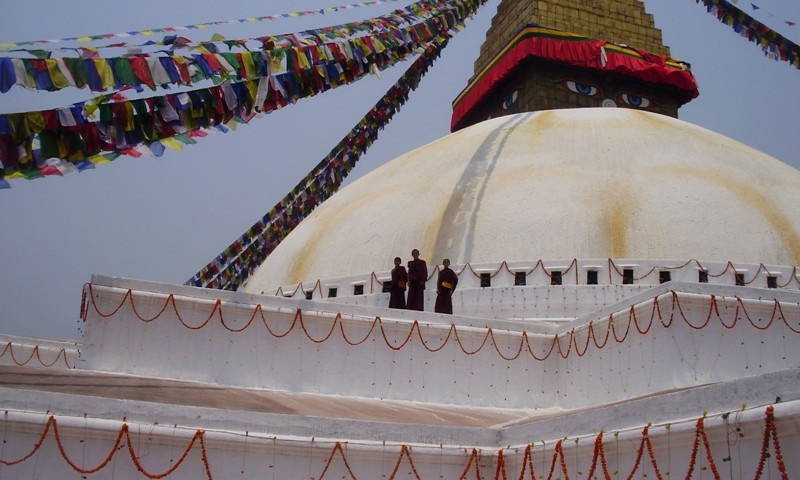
[445,285]
[417,275]
[397,291]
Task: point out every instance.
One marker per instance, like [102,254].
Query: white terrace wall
[529,303]
[502,301]
[246,340]
[37,352]
[574,272]
[223,454]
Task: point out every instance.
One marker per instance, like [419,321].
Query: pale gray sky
[162,219]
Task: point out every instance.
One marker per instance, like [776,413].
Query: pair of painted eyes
[592,91]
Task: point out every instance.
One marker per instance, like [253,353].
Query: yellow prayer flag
[171,143]
[33,123]
[249,65]
[105,72]
[378,44]
[180,61]
[98,159]
[252,87]
[277,63]
[56,76]
[129,116]
[302,59]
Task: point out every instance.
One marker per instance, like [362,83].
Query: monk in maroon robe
[417,275]
[445,285]
[397,290]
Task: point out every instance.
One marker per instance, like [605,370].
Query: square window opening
[591,277]
[332,292]
[702,276]
[627,276]
[555,277]
[486,280]
[664,276]
[387,285]
[309,294]
[772,281]
[358,289]
[740,279]
[520,278]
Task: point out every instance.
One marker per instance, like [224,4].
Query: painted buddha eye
[511,100]
[635,100]
[582,88]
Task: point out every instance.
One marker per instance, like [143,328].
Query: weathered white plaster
[574,183]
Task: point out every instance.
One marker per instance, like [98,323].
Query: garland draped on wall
[771,42]
[35,352]
[792,282]
[556,463]
[664,310]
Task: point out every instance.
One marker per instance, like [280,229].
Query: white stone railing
[37,352]
[571,272]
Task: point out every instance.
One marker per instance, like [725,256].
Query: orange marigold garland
[599,453]
[614,328]
[337,448]
[559,452]
[124,431]
[101,465]
[404,451]
[527,463]
[771,431]
[699,432]
[36,445]
[651,454]
[501,466]
[639,453]
[474,457]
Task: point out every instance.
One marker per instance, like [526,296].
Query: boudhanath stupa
[628,303]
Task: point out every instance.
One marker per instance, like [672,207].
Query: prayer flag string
[197,26]
[230,269]
[771,42]
[30,141]
[167,68]
[412,13]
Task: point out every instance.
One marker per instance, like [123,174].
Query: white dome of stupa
[562,184]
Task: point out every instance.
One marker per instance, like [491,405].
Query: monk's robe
[417,275]
[444,290]
[397,290]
